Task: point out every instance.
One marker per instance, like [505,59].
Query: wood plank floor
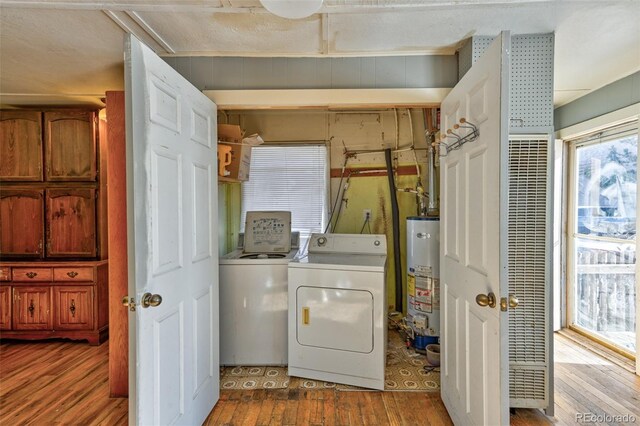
[66,383]
[57,382]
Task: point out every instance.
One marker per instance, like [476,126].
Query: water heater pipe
[395,219]
[432,207]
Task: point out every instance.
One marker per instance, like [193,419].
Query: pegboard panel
[531,86]
[465,58]
[531,83]
[480,44]
[470,52]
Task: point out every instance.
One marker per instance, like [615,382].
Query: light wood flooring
[66,383]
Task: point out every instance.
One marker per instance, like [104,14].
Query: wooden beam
[327,98]
[371,171]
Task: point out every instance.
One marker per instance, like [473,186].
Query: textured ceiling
[71,51]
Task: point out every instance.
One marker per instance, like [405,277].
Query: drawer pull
[31,308]
[72,274]
[72,308]
[31,274]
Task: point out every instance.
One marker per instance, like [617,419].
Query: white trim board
[325,98]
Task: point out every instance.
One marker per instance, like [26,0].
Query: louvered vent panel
[529,259]
[527,384]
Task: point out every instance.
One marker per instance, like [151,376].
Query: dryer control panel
[348,243]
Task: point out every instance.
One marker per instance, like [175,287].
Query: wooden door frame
[117,235]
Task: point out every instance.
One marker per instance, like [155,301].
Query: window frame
[586,139]
[327,175]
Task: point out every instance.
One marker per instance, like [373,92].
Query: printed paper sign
[411,285]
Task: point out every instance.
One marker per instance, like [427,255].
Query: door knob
[505,303]
[486,300]
[149,299]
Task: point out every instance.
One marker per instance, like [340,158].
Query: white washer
[253,305]
[337,310]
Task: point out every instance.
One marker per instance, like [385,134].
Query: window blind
[291,178]
[611,133]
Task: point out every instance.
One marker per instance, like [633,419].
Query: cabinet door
[71,222]
[70,146]
[20,146]
[32,308]
[21,223]
[73,307]
[5,307]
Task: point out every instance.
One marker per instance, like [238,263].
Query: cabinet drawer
[5,273]
[32,274]
[73,274]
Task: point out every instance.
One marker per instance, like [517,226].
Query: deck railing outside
[606,290]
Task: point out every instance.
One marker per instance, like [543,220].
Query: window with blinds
[291,178]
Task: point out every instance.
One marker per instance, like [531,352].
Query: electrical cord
[333,209]
[343,201]
[366,221]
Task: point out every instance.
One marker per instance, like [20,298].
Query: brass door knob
[505,303]
[486,300]
[149,299]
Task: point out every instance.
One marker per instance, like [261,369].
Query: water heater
[423,278]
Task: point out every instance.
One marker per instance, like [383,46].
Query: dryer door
[335,318]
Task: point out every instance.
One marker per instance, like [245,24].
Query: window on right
[602,236]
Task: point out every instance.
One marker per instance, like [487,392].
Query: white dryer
[337,310]
[253,293]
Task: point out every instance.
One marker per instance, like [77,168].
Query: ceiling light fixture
[292,9]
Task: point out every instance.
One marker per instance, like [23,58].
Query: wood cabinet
[70,146]
[20,146]
[52,205]
[32,308]
[5,307]
[21,223]
[71,222]
[53,276]
[55,300]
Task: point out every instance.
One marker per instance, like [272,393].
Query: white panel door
[473,249]
[172,220]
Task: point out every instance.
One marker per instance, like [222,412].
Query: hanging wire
[333,209]
[413,146]
[364,224]
[342,202]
